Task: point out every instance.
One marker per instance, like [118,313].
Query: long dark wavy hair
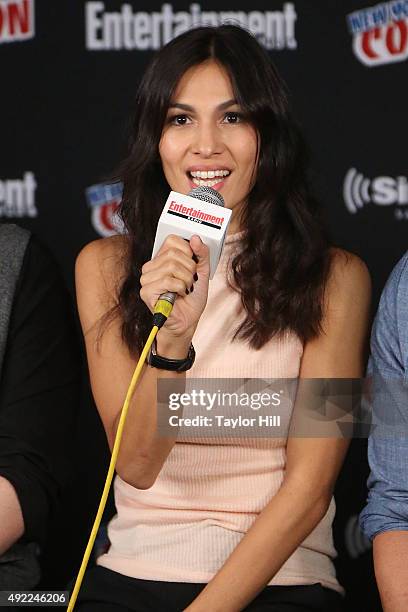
[283,263]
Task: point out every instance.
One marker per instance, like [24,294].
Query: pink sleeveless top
[210,491]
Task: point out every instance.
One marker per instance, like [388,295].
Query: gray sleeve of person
[39,388]
[387,503]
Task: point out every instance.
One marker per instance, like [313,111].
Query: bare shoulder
[100,270]
[349,278]
[339,351]
[347,298]
[102,263]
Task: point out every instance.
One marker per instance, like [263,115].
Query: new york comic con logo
[16,20]
[380,33]
[104,200]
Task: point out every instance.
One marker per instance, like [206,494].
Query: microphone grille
[207,194]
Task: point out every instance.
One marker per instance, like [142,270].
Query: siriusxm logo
[359,190]
[380,33]
[16,20]
[126,29]
[104,200]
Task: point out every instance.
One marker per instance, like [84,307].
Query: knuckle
[170,267]
[170,281]
[172,252]
[170,241]
[175,239]
[188,250]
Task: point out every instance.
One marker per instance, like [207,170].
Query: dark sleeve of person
[39,387]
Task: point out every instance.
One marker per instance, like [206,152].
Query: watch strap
[174,365]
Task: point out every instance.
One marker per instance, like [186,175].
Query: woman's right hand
[173,269]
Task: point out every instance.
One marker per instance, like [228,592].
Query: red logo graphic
[16,20]
[103,219]
[104,200]
[380,33]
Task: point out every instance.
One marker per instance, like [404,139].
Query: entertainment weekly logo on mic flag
[380,33]
[126,30]
[17,21]
[195,214]
[104,201]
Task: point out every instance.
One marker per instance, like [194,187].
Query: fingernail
[187,291]
[195,277]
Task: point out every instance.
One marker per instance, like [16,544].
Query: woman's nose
[207,140]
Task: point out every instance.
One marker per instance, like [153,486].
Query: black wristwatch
[175,365]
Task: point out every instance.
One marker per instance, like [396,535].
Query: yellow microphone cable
[161,311]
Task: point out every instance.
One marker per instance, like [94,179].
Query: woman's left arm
[312,463]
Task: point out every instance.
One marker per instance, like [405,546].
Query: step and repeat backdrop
[69,72]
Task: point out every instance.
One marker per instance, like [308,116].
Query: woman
[219,526]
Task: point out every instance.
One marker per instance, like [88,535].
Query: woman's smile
[208,177]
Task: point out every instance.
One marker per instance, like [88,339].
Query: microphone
[181,215]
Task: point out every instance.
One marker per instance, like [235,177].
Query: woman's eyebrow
[189,108]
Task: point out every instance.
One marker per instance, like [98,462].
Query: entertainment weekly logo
[143,31]
[104,202]
[16,20]
[194,214]
[359,191]
[17,197]
[380,33]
